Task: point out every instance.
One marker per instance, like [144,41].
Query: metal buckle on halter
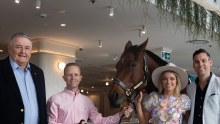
[128,92]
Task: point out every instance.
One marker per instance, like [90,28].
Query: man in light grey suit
[205,92]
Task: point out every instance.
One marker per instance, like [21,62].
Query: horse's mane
[156,58]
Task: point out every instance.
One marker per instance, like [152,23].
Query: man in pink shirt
[70,106]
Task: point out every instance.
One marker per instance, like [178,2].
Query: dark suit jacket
[11,105]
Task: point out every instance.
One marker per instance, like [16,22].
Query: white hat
[170,67]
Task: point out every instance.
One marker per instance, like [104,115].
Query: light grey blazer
[211,106]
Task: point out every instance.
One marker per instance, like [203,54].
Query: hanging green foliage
[197,20]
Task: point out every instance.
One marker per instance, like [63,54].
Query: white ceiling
[87,23]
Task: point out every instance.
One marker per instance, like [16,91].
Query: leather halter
[132,92]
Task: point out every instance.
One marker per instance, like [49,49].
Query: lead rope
[121,118]
[131,104]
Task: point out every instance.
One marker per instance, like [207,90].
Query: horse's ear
[128,45]
[143,45]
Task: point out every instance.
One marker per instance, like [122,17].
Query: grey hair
[18,34]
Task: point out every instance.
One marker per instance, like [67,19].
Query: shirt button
[200,106]
[201,97]
[22,110]
[199,115]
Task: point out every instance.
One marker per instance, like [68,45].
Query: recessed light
[1,51]
[62,25]
[17,1]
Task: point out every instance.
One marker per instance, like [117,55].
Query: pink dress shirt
[69,107]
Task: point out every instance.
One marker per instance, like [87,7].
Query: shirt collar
[71,92]
[197,79]
[14,65]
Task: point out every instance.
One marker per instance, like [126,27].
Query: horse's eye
[133,65]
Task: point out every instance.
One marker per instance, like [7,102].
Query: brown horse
[134,71]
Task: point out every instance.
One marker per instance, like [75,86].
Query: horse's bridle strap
[139,84]
[120,83]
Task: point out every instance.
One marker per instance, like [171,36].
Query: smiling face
[72,77]
[168,82]
[20,50]
[202,64]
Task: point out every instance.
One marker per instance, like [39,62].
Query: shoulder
[33,66]
[192,84]
[5,61]
[191,87]
[151,100]
[153,94]
[56,97]
[216,78]
[184,97]
[185,102]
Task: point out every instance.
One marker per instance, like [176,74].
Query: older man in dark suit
[22,85]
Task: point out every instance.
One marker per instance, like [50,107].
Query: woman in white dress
[168,105]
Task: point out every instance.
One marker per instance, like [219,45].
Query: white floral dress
[166,109]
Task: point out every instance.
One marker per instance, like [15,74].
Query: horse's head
[132,74]
[134,71]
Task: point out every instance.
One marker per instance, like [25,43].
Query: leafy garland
[197,20]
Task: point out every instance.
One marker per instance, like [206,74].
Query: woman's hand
[139,98]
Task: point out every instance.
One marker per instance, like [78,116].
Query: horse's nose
[113,98]
[116,99]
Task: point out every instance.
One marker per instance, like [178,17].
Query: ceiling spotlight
[1,51]
[38,4]
[143,30]
[100,43]
[62,25]
[17,1]
[111,11]
[106,83]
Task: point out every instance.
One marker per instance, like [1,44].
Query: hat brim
[182,75]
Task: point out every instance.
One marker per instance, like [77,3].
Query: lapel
[193,93]
[35,77]
[9,74]
[209,89]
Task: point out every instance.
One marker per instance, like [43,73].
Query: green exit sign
[165,55]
